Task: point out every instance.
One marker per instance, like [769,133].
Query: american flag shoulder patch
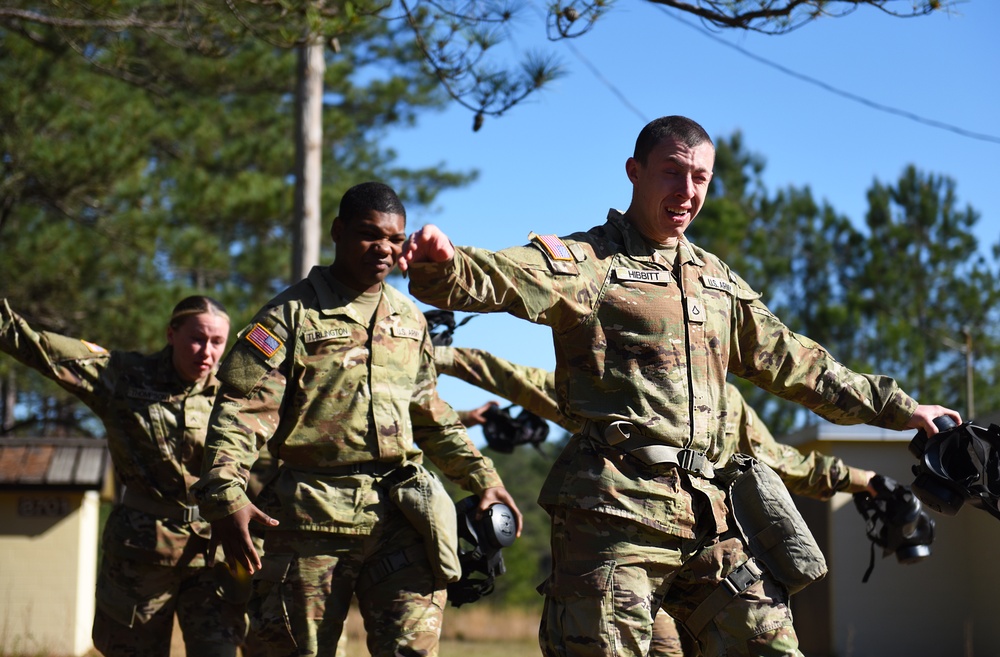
[94,348]
[554,247]
[264,340]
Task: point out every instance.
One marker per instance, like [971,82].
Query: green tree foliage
[455,39]
[893,293]
[576,17]
[116,201]
[925,283]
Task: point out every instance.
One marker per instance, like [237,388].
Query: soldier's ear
[336,229]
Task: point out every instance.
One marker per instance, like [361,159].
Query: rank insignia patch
[264,340]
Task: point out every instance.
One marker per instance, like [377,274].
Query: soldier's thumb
[264,519]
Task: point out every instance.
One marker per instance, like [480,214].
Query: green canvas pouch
[422,498]
[771,525]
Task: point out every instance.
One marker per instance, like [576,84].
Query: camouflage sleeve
[532,388]
[439,433]
[246,414]
[811,475]
[769,354]
[76,365]
[516,280]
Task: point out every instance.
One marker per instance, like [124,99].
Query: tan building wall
[48,570]
[943,606]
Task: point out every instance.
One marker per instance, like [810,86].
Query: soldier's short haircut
[365,197]
[678,128]
[195,305]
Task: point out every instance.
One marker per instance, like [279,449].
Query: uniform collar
[167,373]
[638,248]
[332,303]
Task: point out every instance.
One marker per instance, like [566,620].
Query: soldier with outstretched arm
[335,377]
[646,327]
[811,474]
[156,560]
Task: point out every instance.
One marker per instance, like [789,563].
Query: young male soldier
[811,475]
[646,326]
[336,375]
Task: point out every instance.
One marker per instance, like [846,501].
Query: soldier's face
[367,249]
[669,190]
[198,345]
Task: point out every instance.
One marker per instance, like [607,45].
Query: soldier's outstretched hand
[923,417]
[477,416]
[233,533]
[428,244]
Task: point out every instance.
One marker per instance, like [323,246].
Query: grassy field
[476,630]
[473,630]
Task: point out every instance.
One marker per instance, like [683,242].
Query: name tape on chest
[329,334]
[718,284]
[147,395]
[657,277]
[407,332]
[265,341]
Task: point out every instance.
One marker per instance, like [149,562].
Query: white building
[942,606]
[49,516]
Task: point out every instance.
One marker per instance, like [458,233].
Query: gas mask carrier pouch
[426,504]
[771,525]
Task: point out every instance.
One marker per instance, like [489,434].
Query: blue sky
[555,164]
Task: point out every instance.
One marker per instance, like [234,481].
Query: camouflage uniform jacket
[811,475]
[333,401]
[640,341]
[155,425]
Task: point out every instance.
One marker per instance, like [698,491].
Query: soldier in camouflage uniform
[646,326]
[336,376]
[811,475]
[155,411]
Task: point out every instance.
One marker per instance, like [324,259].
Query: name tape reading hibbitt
[655,276]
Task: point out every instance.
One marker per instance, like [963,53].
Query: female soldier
[155,411]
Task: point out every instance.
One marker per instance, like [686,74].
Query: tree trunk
[8,392]
[308,159]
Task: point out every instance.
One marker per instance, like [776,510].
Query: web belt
[626,437]
[180,512]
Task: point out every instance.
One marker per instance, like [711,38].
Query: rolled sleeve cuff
[857,480]
[897,412]
[217,505]
[481,480]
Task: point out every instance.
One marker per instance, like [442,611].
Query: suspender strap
[734,584]
[180,512]
[625,437]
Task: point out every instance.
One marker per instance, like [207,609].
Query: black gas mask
[480,541]
[441,325]
[896,521]
[504,431]
[959,464]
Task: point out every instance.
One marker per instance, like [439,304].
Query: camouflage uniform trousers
[666,639]
[302,594]
[136,603]
[611,575]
